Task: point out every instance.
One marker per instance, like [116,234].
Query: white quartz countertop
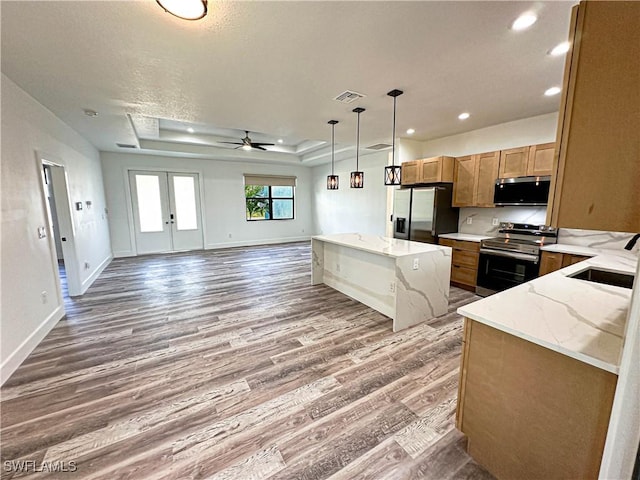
[465,237]
[586,251]
[578,318]
[391,247]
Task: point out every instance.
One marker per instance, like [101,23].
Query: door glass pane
[149,205]
[185,200]
[282,209]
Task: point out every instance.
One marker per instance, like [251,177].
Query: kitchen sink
[624,280]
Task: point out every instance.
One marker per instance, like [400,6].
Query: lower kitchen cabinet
[464,262]
[530,412]
[552,261]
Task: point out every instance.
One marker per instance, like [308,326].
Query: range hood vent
[348,96]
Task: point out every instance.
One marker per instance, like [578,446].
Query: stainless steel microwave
[522,191]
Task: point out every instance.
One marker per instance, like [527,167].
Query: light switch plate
[495,222]
[42,233]
[469,220]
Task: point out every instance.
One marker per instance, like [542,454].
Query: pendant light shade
[357,177]
[185,9]
[393,172]
[332,180]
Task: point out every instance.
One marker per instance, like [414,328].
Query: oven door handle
[518,256]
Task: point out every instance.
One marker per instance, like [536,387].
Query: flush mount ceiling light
[392,173]
[464,116]
[332,180]
[190,130]
[280,140]
[90,113]
[550,92]
[357,177]
[411,131]
[185,9]
[524,21]
[560,49]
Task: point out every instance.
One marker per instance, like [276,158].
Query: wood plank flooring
[228,364]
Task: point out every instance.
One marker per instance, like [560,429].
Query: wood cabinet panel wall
[598,172]
[464,262]
[428,170]
[520,417]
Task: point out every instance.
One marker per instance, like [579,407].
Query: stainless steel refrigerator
[421,214]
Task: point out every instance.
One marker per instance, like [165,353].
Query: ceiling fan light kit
[357,177]
[185,9]
[332,180]
[393,172]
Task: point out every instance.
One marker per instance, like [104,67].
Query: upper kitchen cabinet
[540,162]
[474,179]
[513,162]
[428,170]
[597,184]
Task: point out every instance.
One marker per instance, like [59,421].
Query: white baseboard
[251,243]
[19,355]
[92,278]
[124,253]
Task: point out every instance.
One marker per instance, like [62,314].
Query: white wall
[223,205]
[362,210]
[29,263]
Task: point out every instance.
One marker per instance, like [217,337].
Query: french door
[166,211]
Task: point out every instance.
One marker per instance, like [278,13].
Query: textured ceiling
[273,68]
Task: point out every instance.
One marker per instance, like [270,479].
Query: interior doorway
[166,211]
[61,230]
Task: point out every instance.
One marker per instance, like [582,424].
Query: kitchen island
[539,371]
[406,281]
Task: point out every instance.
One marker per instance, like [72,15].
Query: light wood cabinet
[464,262]
[598,172]
[513,162]
[474,179]
[528,411]
[540,162]
[428,170]
[552,261]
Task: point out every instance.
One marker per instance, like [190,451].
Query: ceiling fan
[247,144]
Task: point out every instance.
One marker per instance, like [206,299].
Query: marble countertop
[466,237]
[587,251]
[391,247]
[578,318]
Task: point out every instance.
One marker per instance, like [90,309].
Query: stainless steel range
[513,257]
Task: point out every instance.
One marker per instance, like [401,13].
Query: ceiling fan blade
[260,144]
[258,147]
[233,143]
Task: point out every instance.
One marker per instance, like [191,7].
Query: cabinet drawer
[465,258]
[469,246]
[464,275]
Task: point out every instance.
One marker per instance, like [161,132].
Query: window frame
[270,198]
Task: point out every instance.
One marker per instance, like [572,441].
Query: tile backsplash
[482,218]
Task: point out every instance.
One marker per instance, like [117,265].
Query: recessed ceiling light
[550,92]
[280,140]
[190,130]
[185,9]
[524,21]
[560,49]
[464,116]
[90,113]
[411,131]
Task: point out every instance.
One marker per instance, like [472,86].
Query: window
[269,198]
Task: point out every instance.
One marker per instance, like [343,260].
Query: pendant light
[357,177]
[185,9]
[392,173]
[332,180]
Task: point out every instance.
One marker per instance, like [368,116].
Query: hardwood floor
[228,364]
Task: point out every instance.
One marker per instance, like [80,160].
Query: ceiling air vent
[379,146]
[348,96]
[125,145]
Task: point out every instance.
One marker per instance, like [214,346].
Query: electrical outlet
[469,220]
[495,222]
[43,296]
[230,235]
[416,263]
[87,265]
[337,267]
[42,233]
[392,287]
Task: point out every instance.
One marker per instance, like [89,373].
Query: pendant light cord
[393,139]
[333,129]
[358,143]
